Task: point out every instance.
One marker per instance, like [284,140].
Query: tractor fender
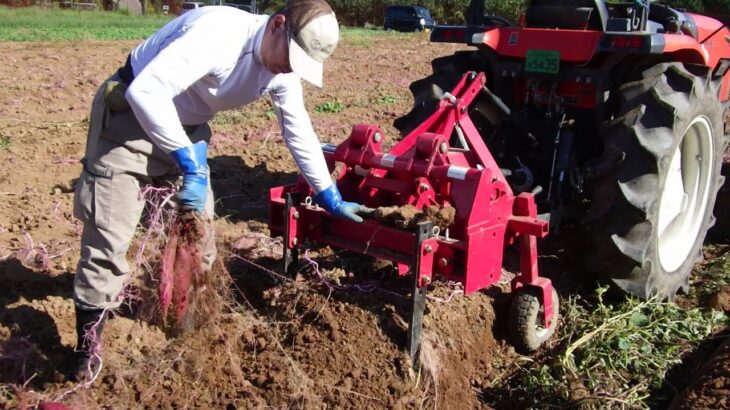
[684,49]
[706,26]
[714,41]
[711,40]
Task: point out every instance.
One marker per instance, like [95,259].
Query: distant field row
[39,24]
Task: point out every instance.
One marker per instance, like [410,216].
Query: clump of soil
[710,388]
[452,356]
[408,216]
[720,300]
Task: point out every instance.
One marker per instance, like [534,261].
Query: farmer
[208,60]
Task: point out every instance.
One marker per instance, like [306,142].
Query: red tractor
[605,117]
[616,111]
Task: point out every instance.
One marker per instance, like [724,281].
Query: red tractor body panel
[575,46]
[710,47]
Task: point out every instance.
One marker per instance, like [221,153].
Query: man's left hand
[331,200]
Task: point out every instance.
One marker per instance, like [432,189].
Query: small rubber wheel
[525,326]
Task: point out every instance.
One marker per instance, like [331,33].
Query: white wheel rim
[541,332]
[685,195]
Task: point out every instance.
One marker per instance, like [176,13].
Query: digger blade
[291,256]
[414,327]
[418,299]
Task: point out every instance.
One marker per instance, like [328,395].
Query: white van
[191,5]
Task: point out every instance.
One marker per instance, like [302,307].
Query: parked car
[408,18]
[191,5]
[245,5]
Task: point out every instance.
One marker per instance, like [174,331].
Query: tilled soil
[313,342]
[711,388]
[332,337]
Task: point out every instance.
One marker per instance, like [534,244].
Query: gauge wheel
[526,319]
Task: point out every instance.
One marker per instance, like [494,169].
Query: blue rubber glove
[193,162]
[331,200]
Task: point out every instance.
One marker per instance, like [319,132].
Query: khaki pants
[120,161]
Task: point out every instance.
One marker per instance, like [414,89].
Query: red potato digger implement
[424,170]
[606,119]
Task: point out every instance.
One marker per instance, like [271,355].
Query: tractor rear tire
[656,205]
[525,326]
[428,91]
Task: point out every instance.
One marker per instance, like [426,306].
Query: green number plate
[543,61]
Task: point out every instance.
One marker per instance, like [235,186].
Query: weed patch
[4,142]
[386,100]
[612,355]
[230,117]
[715,272]
[330,107]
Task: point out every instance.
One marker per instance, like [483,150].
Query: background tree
[360,12]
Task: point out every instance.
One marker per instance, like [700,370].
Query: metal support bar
[424,231]
[291,256]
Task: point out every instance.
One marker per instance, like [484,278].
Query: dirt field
[301,343]
[711,389]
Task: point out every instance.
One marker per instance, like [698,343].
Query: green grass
[360,32]
[49,24]
[53,24]
[358,36]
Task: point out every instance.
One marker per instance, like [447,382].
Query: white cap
[314,35]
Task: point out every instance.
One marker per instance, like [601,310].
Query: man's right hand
[193,162]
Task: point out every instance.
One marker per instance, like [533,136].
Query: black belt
[189,129]
[126,74]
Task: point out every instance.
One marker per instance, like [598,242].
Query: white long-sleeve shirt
[209,60]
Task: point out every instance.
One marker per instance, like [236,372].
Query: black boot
[89,325]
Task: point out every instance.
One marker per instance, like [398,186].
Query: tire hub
[685,194]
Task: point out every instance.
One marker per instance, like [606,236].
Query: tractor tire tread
[645,130]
